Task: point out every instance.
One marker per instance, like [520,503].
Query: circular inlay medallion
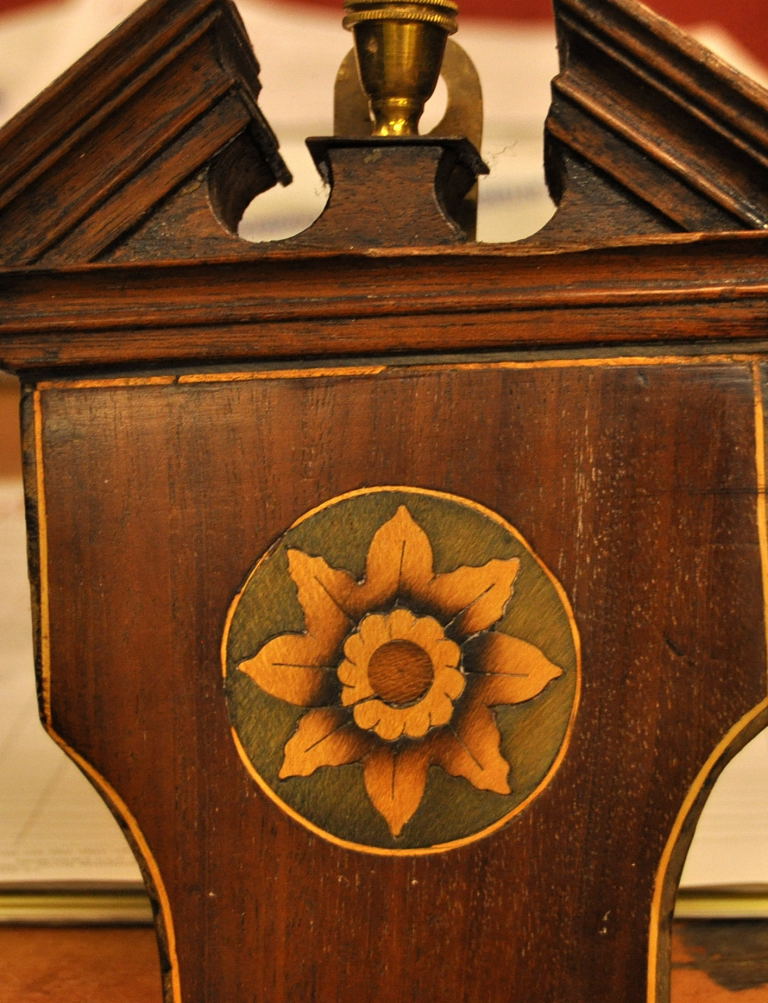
[402,671]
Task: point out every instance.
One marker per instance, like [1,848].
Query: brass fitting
[399,49]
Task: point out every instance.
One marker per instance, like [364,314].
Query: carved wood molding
[505,297]
[650,110]
[151,146]
[158,100]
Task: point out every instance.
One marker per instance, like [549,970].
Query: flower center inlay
[400,672]
[400,675]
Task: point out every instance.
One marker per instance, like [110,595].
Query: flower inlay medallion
[402,671]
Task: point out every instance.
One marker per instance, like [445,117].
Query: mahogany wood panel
[710,964]
[687,289]
[653,532]
[617,432]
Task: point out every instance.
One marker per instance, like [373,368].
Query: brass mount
[399,49]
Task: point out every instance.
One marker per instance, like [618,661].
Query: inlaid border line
[107,791]
[339,370]
[735,738]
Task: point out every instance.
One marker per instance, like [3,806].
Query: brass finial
[399,49]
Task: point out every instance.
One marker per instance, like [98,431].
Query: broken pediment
[159,109]
[648,131]
[151,146]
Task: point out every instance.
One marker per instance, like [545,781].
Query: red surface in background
[747,20]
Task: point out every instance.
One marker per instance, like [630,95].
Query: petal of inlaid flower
[324,737]
[368,713]
[399,558]
[507,670]
[395,782]
[322,590]
[440,709]
[418,720]
[450,682]
[297,667]
[472,750]
[289,667]
[391,723]
[355,685]
[473,599]
[375,630]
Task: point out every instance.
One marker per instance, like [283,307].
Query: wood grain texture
[79,965]
[701,290]
[653,533]
[147,110]
[717,960]
[391,193]
[120,966]
[641,109]
[10,447]
[189,396]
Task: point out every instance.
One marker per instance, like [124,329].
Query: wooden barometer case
[402,595]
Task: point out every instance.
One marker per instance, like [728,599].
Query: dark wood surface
[599,465]
[705,292]
[599,389]
[712,962]
[126,131]
[670,138]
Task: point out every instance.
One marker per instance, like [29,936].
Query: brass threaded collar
[448,6]
[442,14]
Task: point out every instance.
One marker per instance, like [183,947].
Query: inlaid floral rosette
[402,671]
